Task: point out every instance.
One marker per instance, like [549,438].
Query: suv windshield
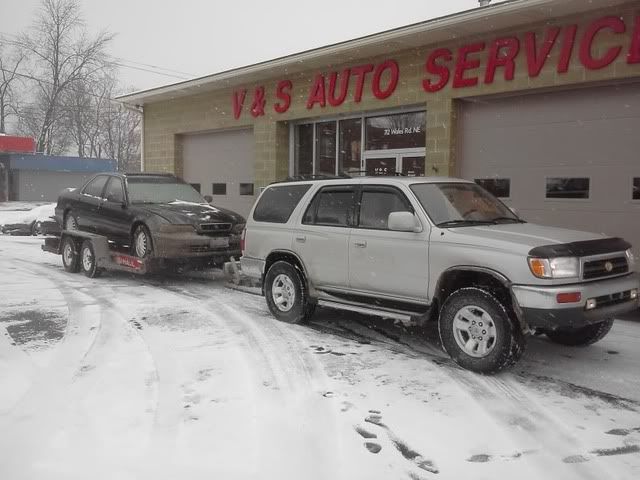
[461,204]
[161,190]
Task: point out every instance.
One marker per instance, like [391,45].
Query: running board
[379,312]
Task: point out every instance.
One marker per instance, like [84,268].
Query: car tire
[88,261]
[142,243]
[581,337]
[286,293]
[70,222]
[70,256]
[478,331]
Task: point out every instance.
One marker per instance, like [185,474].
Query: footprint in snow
[604,452]
[365,433]
[373,447]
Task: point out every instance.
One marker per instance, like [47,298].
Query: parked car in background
[418,249]
[154,216]
[39,220]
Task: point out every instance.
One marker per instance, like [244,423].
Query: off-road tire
[302,308]
[89,264]
[70,255]
[510,342]
[141,230]
[581,337]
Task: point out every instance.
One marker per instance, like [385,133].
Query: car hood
[517,237]
[179,213]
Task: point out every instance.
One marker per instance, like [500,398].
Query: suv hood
[516,237]
[191,213]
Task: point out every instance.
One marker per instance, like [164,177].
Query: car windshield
[461,204]
[161,190]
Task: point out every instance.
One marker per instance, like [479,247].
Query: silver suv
[441,249]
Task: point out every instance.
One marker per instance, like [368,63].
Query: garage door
[568,159]
[221,164]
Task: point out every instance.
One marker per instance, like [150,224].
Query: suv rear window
[277,204]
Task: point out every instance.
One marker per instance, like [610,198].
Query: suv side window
[377,203]
[94,188]
[114,192]
[277,203]
[332,206]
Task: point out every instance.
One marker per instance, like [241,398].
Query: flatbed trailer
[92,254]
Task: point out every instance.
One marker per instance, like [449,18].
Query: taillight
[244,233]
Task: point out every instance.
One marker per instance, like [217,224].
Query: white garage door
[568,159]
[221,164]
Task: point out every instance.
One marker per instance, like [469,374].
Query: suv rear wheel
[478,333]
[286,293]
[581,337]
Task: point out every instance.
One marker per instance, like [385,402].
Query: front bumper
[540,309]
[192,245]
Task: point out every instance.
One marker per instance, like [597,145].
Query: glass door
[413,166]
[410,164]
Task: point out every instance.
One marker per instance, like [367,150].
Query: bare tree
[9,64]
[62,58]
[121,131]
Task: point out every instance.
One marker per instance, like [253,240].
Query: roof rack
[342,176]
[365,173]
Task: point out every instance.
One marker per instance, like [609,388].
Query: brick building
[538,100]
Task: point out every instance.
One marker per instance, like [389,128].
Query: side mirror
[403,222]
[208,198]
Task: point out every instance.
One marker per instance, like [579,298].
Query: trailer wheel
[70,257]
[88,260]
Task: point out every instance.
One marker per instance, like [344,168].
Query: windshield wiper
[463,223]
[512,219]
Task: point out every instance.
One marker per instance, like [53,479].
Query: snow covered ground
[124,377]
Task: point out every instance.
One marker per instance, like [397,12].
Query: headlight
[561,267]
[177,228]
[630,260]
[238,227]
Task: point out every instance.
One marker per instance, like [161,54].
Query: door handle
[360,243]
[301,239]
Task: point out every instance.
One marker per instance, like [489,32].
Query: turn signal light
[633,294]
[538,267]
[571,297]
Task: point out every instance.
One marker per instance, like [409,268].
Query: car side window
[277,203]
[95,187]
[332,206]
[377,203]
[114,192]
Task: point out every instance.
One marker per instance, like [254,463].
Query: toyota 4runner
[441,249]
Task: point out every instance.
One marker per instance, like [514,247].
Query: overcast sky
[201,37]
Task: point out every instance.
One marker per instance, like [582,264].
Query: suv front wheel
[286,293]
[477,332]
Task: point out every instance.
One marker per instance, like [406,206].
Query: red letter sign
[361,73]
[317,94]
[463,64]
[283,92]
[257,107]
[238,102]
[615,24]
[506,59]
[535,60]
[441,70]
[634,52]
[568,40]
[394,71]
[344,87]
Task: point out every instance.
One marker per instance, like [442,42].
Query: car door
[385,262]
[86,209]
[115,216]
[321,238]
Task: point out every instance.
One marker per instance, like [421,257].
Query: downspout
[140,110]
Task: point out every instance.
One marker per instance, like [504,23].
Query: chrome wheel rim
[283,292]
[475,331]
[71,223]
[141,244]
[87,259]
[67,253]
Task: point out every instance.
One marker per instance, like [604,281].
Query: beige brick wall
[165,121]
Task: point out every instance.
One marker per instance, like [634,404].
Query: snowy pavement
[124,377]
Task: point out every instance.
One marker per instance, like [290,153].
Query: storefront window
[304,149]
[350,140]
[404,130]
[326,148]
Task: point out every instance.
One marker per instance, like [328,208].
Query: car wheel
[88,260]
[70,222]
[70,257]
[478,332]
[142,243]
[286,293]
[581,337]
